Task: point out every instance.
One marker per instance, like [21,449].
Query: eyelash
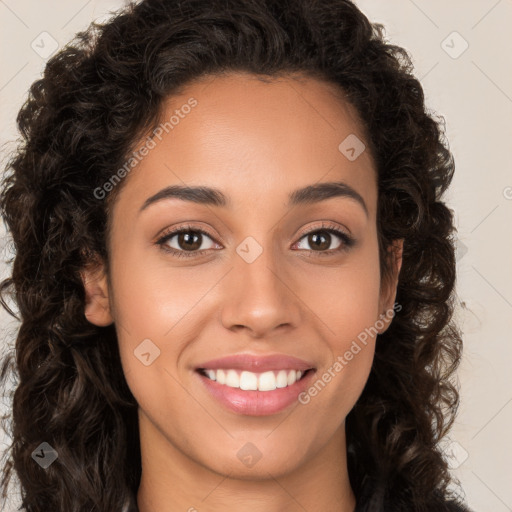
[347,241]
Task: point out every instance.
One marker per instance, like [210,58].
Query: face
[264,272]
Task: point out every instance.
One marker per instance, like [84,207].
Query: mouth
[254,381]
[255,393]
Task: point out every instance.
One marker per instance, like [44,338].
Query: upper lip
[256,363]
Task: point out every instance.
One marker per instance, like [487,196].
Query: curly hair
[81,120]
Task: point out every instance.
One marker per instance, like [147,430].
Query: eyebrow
[214,197]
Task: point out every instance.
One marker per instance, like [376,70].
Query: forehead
[254,137]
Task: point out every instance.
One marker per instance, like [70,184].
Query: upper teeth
[266,381]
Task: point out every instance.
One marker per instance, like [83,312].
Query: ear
[390,284]
[97,307]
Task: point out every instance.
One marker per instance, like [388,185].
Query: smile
[245,380]
[268,391]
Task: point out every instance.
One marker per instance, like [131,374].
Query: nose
[259,297]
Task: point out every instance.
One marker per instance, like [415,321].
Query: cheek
[346,301]
[152,299]
[170,306]
[346,298]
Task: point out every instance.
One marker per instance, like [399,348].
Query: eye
[320,240]
[185,241]
[189,241]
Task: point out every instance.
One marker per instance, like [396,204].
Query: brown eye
[320,240]
[189,240]
[186,240]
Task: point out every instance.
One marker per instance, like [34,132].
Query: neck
[172,481]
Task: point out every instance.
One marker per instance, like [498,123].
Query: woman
[234,270]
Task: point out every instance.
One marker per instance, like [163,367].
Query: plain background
[461,53]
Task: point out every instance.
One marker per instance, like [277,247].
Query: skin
[256,142]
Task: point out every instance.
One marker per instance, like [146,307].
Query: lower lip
[253,402]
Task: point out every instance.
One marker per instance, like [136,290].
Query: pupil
[187,238]
[315,238]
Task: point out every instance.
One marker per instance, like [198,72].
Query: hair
[97,97]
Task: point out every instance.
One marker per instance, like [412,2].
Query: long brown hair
[79,124]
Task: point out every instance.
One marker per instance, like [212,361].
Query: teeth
[266,381]
[282,379]
[247,380]
[232,379]
[221,376]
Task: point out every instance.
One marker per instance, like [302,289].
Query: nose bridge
[258,296]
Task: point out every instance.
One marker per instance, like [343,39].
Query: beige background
[472,88]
